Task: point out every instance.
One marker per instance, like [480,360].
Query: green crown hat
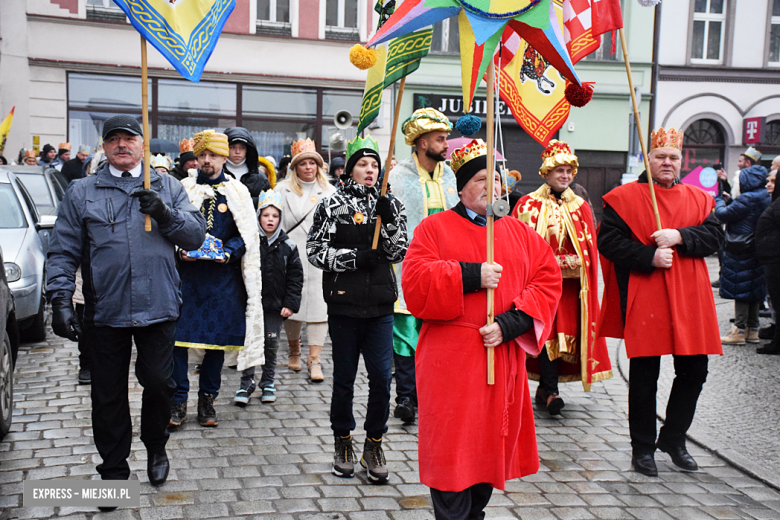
[360,144]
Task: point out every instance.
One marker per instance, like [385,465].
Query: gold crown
[186,145]
[30,153]
[557,154]
[301,146]
[472,150]
[160,161]
[64,146]
[666,139]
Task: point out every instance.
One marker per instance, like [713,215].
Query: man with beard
[425,185]
[73,169]
[242,162]
[222,310]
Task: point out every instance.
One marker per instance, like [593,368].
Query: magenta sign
[704,178]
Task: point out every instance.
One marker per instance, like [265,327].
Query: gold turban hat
[422,121]
[211,140]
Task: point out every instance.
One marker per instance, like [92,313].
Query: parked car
[8,351]
[44,185]
[24,237]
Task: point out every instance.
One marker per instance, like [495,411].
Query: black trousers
[84,359]
[690,373]
[405,382]
[772,277]
[468,504]
[111,423]
[548,377]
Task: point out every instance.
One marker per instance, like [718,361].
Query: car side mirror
[46,222]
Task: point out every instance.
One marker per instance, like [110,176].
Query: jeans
[111,423]
[210,373]
[272,322]
[746,314]
[690,373]
[405,382]
[373,337]
[468,504]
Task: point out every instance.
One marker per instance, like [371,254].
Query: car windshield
[11,215]
[39,191]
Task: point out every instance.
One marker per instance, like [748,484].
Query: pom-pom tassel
[362,57]
[468,124]
[579,96]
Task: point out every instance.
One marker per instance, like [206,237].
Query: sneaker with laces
[241,398]
[344,457]
[207,416]
[178,414]
[373,460]
[269,394]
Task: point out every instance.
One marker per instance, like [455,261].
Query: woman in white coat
[301,191]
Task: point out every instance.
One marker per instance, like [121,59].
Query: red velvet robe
[470,432]
[582,357]
[671,311]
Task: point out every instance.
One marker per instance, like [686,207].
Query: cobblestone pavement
[738,416]
[273,461]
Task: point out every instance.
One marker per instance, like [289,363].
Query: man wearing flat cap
[425,185]
[131,291]
[473,437]
[222,311]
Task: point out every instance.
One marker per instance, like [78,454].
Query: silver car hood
[11,241]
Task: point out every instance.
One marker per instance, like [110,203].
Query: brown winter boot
[734,337]
[314,365]
[294,359]
[751,335]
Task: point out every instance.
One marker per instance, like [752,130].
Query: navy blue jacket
[130,276]
[742,276]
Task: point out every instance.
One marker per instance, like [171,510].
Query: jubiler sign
[452,106]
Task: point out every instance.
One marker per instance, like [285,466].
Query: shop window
[341,19]
[197,98]
[334,101]
[86,127]
[276,137]
[261,101]
[703,145]
[709,24]
[446,37]
[604,52]
[774,34]
[104,10]
[99,92]
[772,134]
[273,17]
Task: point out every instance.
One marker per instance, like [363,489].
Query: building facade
[281,69]
[719,79]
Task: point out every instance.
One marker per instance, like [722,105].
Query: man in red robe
[474,436]
[657,296]
[572,351]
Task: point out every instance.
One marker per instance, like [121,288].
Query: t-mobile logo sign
[754,128]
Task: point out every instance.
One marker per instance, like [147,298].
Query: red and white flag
[585,20]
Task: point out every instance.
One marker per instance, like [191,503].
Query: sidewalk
[273,462]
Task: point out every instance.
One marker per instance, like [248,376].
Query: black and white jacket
[343,225]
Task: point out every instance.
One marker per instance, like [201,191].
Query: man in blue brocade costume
[221,283]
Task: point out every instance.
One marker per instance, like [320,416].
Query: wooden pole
[389,156]
[145,119]
[491,306]
[639,130]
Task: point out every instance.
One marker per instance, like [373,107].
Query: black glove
[64,321]
[384,208]
[153,205]
[370,258]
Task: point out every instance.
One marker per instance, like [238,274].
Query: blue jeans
[373,337]
[210,373]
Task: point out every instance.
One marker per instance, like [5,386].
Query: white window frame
[445,38]
[708,17]
[259,22]
[341,15]
[773,20]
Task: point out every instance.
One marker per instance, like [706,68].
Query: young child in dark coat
[282,274]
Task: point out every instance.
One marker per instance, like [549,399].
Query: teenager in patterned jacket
[360,289]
